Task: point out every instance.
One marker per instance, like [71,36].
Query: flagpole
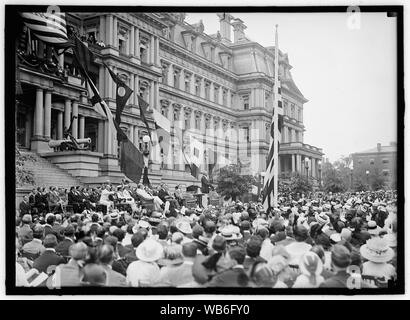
[275,122]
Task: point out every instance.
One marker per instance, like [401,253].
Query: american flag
[270,189]
[49,27]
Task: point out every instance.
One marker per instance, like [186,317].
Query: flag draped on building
[132,160]
[270,189]
[49,27]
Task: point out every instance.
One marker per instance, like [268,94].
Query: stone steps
[47,174]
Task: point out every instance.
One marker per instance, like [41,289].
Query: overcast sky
[348,75]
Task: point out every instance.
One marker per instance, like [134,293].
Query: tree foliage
[333,179]
[231,183]
[300,184]
[24,176]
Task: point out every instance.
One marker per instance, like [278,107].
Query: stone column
[113,85]
[74,127]
[109,29]
[228,98]
[137,43]
[157,59]
[151,95]
[136,88]
[151,50]
[107,138]
[100,137]
[212,92]
[107,86]
[115,32]
[60,125]
[293,163]
[38,113]
[102,29]
[170,80]
[156,96]
[101,80]
[67,113]
[313,164]
[47,114]
[132,42]
[298,163]
[131,100]
[81,127]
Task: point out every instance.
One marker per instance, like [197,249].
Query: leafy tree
[24,176]
[359,185]
[333,181]
[300,184]
[377,181]
[231,183]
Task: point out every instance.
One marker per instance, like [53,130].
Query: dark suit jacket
[235,277]
[205,185]
[63,246]
[25,208]
[48,258]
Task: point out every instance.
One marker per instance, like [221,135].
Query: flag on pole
[143,106]
[270,189]
[49,27]
[132,160]
[123,93]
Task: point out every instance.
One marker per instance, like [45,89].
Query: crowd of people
[141,237]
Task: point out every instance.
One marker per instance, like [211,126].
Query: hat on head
[377,250]
[177,237]
[114,214]
[373,228]
[231,232]
[184,226]
[346,234]
[144,224]
[335,238]
[310,264]
[322,218]
[149,251]
[202,241]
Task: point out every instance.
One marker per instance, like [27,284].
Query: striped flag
[49,27]
[270,189]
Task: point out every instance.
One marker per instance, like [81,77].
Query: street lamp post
[351,179]
[320,173]
[307,167]
[146,139]
[367,178]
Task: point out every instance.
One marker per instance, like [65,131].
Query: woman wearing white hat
[379,254]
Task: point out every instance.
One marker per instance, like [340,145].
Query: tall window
[292,111]
[198,87]
[177,74]
[197,122]
[187,83]
[245,102]
[164,74]
[207,90]
[216,94]
[224,97]
[226,147]
[121,46]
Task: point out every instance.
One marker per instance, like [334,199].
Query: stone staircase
[47,174]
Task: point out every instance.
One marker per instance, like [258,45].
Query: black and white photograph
[155,150]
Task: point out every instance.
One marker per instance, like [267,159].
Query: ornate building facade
[217,89]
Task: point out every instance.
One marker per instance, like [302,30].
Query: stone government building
[218,88]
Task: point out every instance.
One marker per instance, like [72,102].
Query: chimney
[225,26]
[379,147]
[238,30]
